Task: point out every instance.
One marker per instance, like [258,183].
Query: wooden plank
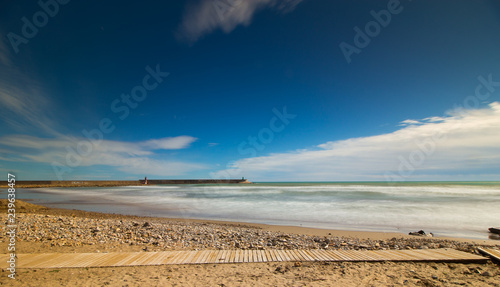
[251,256]
[256,256]
[222,256]
[171,257]
[294,255]
[278,256]
[228,257]
[374,256]
[282,254]
[305,255]
[200,257]
[396,255]
[237,257]
[420,254]
[206,257]
[357,255]
[272,252]
[178,257]
[334,256]
[112,259]
[213,257]
[319,255]
[264,255]
[343,255]
[300,257]
[291,256]
[188,257]
[134,259]
[196,257]
[161,258]
[268,256]
[245,255]
[218,256]
[325,256]
[261,255]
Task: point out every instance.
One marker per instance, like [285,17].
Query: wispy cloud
[208,15]
[4,52]
[179,142]
[23,104]
[465,143]
[129,157]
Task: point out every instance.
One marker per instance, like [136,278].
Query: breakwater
[97,183]
[195,181]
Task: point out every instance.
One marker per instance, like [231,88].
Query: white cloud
[208,15]
[179,142]
[130,157]
[462,146]
[409,122]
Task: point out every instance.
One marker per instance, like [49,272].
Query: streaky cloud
[206,16]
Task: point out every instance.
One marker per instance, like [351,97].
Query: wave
[447,208]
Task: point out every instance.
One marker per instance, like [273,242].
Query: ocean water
[444,208]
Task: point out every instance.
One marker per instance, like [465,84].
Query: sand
[97,232]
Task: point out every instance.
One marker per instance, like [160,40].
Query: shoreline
[25,207]
[55,230]
[318,231]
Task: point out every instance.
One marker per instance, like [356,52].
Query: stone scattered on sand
[421,233]
[161,234]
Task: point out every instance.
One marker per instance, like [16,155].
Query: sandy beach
[47,230]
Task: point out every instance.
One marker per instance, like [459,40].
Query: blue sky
[262,89]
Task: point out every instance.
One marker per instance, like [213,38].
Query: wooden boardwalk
[74,260]
[493,253]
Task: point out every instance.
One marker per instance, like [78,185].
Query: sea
[454,209]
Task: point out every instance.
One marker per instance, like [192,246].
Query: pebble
[184,235]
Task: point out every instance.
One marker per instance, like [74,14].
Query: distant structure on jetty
[102,183]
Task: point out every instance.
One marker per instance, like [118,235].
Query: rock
[418,233]
[280,269]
